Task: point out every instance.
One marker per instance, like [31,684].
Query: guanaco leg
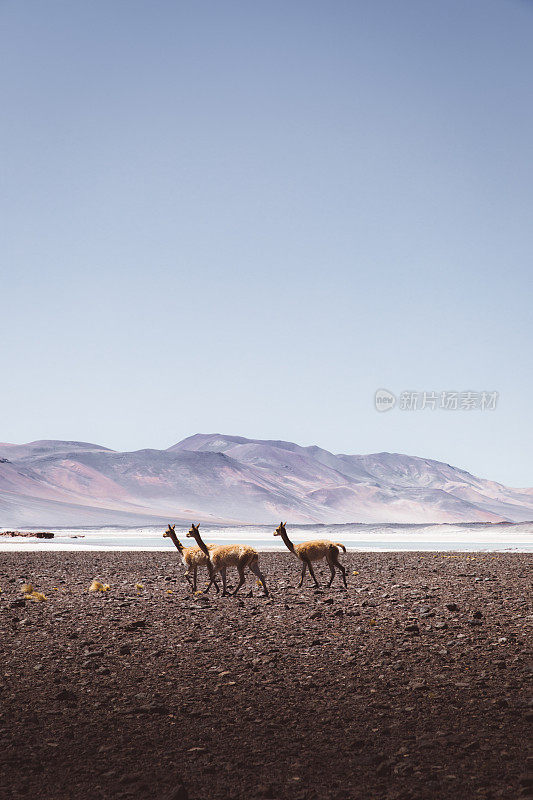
[212,581]
[333,561]
[254,567]
[307,563]
[223,574]
[240,570]
[313,574]
[342,569]
[331,569]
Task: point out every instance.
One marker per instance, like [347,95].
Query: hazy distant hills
[232,479]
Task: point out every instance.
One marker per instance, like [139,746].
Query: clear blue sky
[246,217]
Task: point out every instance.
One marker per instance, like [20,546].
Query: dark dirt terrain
[412,684]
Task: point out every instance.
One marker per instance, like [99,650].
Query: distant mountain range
[231,479]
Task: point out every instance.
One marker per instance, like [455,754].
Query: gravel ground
[412,684]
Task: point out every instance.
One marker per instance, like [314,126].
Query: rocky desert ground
[412,684]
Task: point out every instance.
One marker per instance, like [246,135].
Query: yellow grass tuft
[26,588]
[39,597]
[98,586]
[139,587]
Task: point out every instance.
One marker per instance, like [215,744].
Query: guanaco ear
[197,526]
[173,527]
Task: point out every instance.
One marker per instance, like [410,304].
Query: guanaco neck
[176,541]
[283,534]
[201,544]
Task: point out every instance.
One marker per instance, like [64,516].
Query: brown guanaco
[229,555]
[314,551]
[192,557]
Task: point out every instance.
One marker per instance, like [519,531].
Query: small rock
[133,626]
[129,778]
[125,650]
[67,696]
[412,628]
[266,791]
[153,708]
[452,607]
[178,793]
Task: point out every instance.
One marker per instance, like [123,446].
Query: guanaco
[314,551]
[229,555]
[192,557]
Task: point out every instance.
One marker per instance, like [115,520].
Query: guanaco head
[170,530]
[280,530]
[194,532]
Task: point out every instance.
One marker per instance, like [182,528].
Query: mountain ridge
[233,479]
